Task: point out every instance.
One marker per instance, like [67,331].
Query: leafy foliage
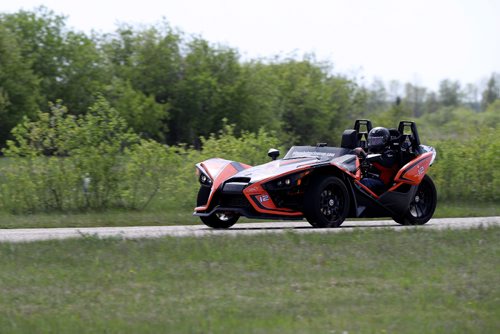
[468,170]
[18,85]
[63,162]
[181,183]
[67,63]
[141,112]
[184,91]
[250,148]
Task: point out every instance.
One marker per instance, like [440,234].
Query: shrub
[468,170]
[64,162]
[250,148]
[181,183]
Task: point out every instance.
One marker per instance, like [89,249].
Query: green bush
[63,162]
[181,183]
[468,170]
[250,148]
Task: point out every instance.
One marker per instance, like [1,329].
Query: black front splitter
[245,213]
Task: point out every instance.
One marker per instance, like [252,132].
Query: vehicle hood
[280,167]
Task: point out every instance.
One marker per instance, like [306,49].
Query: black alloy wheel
[326,202]
[422,206]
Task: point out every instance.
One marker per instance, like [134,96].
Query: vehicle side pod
[262,202]
[413,172]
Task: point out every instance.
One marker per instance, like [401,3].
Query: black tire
[216,220]
[203,195]
[220,220]
[422,206]
[326,202]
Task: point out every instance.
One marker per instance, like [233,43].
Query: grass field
[412,281]
[159,216]
[92,219]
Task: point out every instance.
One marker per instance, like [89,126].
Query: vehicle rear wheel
[326,202]
[422,206]
[216,220]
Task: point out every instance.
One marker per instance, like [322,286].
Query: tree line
[175,88]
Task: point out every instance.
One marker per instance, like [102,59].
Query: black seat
[409,141]
[363,140]
[363,133]
[395,139]
[395,145]
[349,139]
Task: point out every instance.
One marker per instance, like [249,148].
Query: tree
[449,93]
[40,37]
[431,104]
[314,105]
[395,90]
[491,93]
[471,97]
[262,94]
[491,116]
[377,97]
[210,90]
[68,63]
[141,112]
[81,75]
[149,59]
[19,87]
[392,117]
[415,99]
[149,62]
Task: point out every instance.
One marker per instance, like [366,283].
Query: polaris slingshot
[322,183]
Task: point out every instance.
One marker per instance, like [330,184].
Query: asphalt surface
[135,232]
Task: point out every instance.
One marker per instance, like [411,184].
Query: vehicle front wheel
[220,220]
[422,206]
[216,220]
[326,202]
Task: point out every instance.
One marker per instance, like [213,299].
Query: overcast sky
[419,41]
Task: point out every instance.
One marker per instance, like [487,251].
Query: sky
[416,41]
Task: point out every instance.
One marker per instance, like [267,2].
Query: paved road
[26,235]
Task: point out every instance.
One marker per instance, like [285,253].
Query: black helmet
[378,138]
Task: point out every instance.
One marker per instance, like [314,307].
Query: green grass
[411,281]
[466,209]
[92,219]
[163,216]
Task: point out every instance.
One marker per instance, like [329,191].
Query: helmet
[378,138]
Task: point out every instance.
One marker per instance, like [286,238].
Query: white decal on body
[312,153]
[263,198]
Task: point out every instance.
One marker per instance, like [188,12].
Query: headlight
[286,182]
[204,179]
[426,148]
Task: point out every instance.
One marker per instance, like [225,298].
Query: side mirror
[273,153]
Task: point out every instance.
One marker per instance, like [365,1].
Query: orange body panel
[262,202]
[218,170]
[413,172]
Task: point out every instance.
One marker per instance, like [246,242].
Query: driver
[384,167]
